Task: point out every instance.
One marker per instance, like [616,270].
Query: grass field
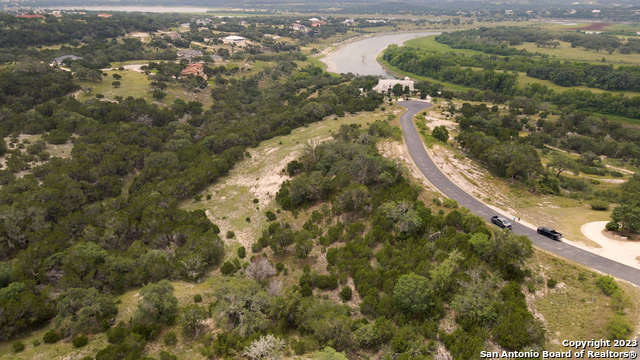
[566,52]
[132,84]
[576,308]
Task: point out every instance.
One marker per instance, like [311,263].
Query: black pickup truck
[550,233]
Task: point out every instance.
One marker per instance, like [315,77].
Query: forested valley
[100,243]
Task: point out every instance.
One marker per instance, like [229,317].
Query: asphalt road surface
[442,182]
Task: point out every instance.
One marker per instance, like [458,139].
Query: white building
[234,39]
[386,85]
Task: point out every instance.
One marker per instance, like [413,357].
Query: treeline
[596,76]
[498,40]
[21,33]
[500,86]
[494,140]
[443,68]
[27,84]
[108,217]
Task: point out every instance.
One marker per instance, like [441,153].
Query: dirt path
[134,67]
[622,251]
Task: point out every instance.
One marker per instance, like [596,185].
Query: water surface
[359,57]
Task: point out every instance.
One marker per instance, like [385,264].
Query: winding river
[359,57]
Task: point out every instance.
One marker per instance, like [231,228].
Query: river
[359,57]
[148,9]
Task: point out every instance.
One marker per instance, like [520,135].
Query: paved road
[439,180]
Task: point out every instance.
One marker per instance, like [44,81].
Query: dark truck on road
[550,233]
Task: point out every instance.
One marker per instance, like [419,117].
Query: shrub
[117,334]
[346,293]
[255,201]
[227,268]
[437,201]
[607,284]
[167,356]
[197,298]
[279,267]
[551,283]
[618,328]
[600,205]
[36,343]
[306,290]
[170,339]
[51,337]
[230,234]
[242,252]
[327,282]
[612,226]
[18,346]
[79,341]
[270,215]
[247,219]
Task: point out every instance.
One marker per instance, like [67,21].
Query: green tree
[397,90]
[440,133]
[628,216]
[158,94]
[82,311]
[563,162]
[414,293]
[116,84]
[191,319]
[157,304]
[475,304]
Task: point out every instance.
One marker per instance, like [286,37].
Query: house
[299,27]
[173,35]
[318,23]
[196,70]
[595,11]
[234,39]
[349,22]
[60,59]
[104,16]
[188,54]
[386,85]
[375,21]
[27,16]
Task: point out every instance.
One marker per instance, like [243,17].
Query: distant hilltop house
[299,27]
[386,85]
[188,54]
[173,35]
[375,21]
[234,39]
[349,22]
[596,11]
[105,16]
[195,69]
[60,59]
[27,16]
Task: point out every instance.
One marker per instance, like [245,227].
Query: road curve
[444,184]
